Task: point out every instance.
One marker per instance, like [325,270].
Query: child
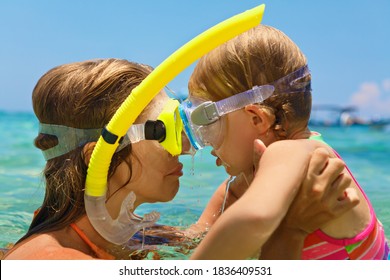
[259,87]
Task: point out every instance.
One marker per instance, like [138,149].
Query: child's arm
[213,209]
[247,224]
[312,207]
[210,214]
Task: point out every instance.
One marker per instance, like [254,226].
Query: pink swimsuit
[370,244]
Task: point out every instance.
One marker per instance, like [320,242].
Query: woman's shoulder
[44,247]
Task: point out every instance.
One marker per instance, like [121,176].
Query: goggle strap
[150,130]
[209,112]
[293,83]
[69,138]
[255,95]
[136,133]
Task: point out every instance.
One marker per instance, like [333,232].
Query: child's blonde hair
[259,56]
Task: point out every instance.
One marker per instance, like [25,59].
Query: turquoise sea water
[367,153]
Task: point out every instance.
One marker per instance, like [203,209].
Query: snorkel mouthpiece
[122,228]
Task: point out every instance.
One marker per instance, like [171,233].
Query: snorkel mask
[167,130]
[203,122]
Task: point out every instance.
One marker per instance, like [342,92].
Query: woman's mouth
[177,171]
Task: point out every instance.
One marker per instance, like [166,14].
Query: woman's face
[156,173]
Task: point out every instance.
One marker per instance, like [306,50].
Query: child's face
[236,150]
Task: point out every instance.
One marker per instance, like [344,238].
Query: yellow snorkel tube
[119,231]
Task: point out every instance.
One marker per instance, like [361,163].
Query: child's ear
[87,152]
[259,117]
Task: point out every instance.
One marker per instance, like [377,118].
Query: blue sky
[347,43]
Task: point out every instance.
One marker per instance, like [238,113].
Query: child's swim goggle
[167,130]
[203,120]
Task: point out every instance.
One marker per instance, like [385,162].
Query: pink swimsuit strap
[360,236]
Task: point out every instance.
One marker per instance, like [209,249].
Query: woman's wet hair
[81,95]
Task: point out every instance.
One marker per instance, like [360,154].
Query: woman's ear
[260,118]
[87,152]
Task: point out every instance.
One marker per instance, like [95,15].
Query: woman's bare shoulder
[44,247]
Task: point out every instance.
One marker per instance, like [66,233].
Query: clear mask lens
[212,134]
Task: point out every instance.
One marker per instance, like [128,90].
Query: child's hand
[325,194]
